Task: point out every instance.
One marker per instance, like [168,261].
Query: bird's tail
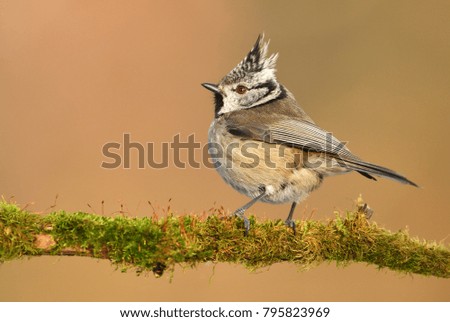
[368,169]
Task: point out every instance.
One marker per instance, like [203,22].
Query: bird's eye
[241,89]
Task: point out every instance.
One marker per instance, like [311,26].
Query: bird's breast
[251,166]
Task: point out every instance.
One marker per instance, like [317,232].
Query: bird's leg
[240,212]
[289,222]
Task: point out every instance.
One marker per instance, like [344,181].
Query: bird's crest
[256,62]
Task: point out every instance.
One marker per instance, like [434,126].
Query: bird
[264,145]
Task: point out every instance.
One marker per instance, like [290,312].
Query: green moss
[17,232]
[157,244]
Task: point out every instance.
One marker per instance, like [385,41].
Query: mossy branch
[156,244]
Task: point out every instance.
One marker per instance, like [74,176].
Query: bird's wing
[308,136]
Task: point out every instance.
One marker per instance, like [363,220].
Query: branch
[156,244]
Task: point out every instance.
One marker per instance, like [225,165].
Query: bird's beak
[211,87]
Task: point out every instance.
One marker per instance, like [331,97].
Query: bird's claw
[240,213]
[291,224]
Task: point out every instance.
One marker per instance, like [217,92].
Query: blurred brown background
[75,75]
